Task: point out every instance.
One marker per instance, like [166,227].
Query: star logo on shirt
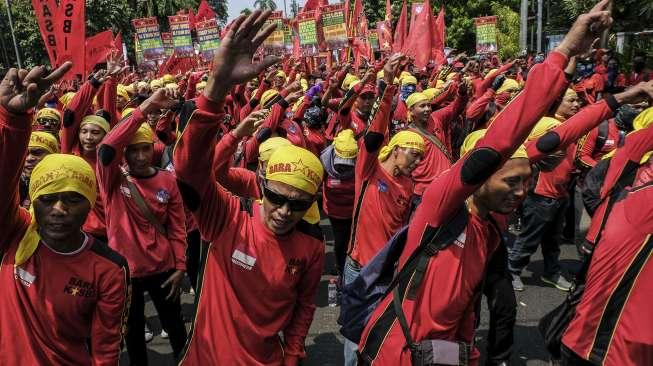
[74,291]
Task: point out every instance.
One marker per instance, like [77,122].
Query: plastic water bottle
[333,293]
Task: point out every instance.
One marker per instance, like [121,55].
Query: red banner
[384,31]
[70,33]
[97,48]
[176,65]
[46,15]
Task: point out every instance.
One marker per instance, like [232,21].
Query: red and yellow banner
[334,27]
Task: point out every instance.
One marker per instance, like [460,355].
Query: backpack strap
[602,136]
[434,140]
[142,205]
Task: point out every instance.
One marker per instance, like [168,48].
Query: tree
[220,8]
[507,30]
[265,4]
[246,11]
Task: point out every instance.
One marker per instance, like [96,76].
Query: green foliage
[507,30]
[265,4]
[294,8]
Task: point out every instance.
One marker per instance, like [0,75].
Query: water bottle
[333,293]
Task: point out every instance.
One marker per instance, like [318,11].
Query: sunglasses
[47,121]
[280,200]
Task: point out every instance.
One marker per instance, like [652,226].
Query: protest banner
[138,51]
[149,38]
[373,38]
[308,40]
[334,26]
[46,11]
[181,39]
[274,44]
[486,34]
[168,46]
[384,35]
[208,38]
[70,33]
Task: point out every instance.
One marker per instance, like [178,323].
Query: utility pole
[606,33]
[523,26]
[539,25]
[13,35]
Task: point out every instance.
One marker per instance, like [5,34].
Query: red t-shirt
[338,197]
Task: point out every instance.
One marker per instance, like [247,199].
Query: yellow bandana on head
[297,104]
[50,113]
[405,139]
[281,74]
[92,119]
[644,119]
[201,85]
[344,144]
[570,93]
[167,79]
[121,91]
[156,83]
[431,93]
[473,138]
[416,98]
[408,80]
[54,174]
[508,85]
[65,99]
[348,81]
[267,96]
[126,112]
[43,140]
[296,167]
[543,126]
[143,135]
[267,147]
[304,84]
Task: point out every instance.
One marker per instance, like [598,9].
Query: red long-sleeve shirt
[382,200]
[74,112]
[443,308]
[53,303]
[588,155]
[613,323]
[255,284]
[130,233]
[434,161]
[554,184]
[239,181]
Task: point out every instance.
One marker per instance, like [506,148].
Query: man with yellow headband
[263,263]
[487,183]
[40,145]
[64,294]
[383,187]
[145,223]
[48,120]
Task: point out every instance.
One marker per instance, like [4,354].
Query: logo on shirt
[243,260]
[460,240]
[162,196]
[292,129]
[77,287]
[295,266]
[25,277]
[125,191]
[334,181]
[402,201]
[383,186]
[609,142]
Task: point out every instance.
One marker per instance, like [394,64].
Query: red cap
[367,89]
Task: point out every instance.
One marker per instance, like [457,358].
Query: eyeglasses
[47,121]
[280,200]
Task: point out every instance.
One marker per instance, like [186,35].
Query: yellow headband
[143,135]
[408,80]
[296,167]
[405,139]
[508,85]
[348,81]
[416,98]
[48,113]
[167,79]
[54,174]
[267,147]
[65,99]
[92,119]
[280,74]
[473,138]
[121,91]
[156,83]
[543,126]
[570,93]
[44,140]
[644,119]
[344,144]
[267,96]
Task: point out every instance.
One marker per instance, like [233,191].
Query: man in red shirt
[145,223]
[440,312]
[264,262]
[64,294]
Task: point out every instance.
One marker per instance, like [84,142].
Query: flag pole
[13,35]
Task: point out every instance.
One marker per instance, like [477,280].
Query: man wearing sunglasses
[264,260]
[48,120]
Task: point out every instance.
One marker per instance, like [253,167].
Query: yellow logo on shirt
[77,287]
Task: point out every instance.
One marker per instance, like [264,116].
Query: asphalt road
[324,342]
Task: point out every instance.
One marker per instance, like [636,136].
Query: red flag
[117,43]
[70,33]
[383,29]
[97,48]
[388,11]
[176,65]
[402,30]
[191,18]
[355,20]
[418,43]
[204,11]
[439,37]
[310,5]
[46,15]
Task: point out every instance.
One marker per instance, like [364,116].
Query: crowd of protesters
[128,184]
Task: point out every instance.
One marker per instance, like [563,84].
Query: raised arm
[77,109]
[20,91]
